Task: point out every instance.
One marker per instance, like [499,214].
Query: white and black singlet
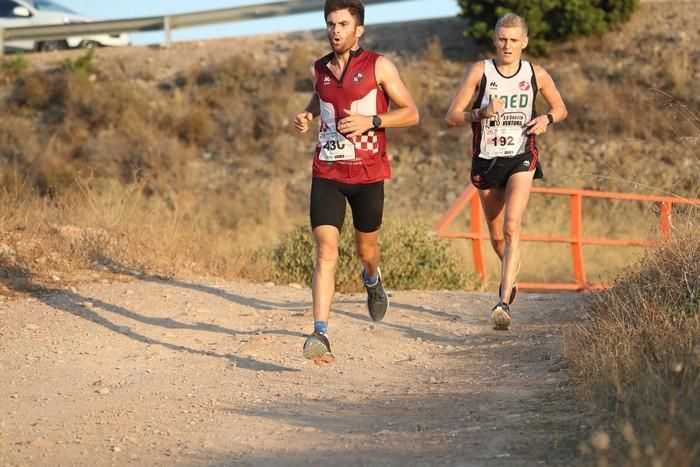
[505,134]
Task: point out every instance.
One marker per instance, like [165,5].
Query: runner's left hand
[354,124]
[538,125]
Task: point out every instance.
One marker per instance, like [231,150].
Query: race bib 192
[503,142]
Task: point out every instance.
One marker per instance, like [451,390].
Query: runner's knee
[326,253]
[366,252]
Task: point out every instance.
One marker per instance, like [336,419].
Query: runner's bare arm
[456,115]
[557,108]
[404,114]
[312,110]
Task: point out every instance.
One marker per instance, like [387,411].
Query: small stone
[600,441]
[116,449]
[103,391]
[88,305]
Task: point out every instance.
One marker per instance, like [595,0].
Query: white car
[19,13]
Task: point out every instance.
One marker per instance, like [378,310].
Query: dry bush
[299,68]
[196,126]
[32,91]
[638,358]
[679,75]
[99,104]
[433,52]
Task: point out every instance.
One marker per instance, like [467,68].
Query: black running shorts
[328,204]
[494,173]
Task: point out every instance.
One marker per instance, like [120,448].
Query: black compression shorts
[328,204]
[494,173]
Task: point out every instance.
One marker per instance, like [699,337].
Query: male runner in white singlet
[504,155]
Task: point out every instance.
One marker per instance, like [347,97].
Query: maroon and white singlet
[361,159]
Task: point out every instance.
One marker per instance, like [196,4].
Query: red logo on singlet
[524,86]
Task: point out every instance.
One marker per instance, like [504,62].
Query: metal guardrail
[166,23]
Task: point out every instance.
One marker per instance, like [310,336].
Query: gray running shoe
[500,316]
[316,346]
[377,299]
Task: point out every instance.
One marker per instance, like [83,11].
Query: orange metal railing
[469,197]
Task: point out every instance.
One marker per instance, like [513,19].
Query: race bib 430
[335,147]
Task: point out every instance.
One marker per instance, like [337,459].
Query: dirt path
[154,373]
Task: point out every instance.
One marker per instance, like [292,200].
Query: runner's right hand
[496,106]
[301,122]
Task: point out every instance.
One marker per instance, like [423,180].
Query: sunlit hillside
[187,162]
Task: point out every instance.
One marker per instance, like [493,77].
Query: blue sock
[370,281]
[321,327]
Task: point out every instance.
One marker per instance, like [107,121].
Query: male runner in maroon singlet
[504,154]
[353,88]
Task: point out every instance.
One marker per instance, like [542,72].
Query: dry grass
[106,230]
[637,359]
[211,144]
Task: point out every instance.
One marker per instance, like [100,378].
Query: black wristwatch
[376,122]
[550,117]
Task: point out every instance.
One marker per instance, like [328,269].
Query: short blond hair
[511,20]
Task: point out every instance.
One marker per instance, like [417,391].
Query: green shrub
[411,259]
[548,20]
[15,65]
[83,64]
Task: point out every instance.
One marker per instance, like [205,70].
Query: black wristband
[550,117]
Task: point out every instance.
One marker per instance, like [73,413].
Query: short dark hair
[356,8]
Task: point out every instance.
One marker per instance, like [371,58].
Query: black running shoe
[513,293]
[377,299]
[316,346]
[500,316]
